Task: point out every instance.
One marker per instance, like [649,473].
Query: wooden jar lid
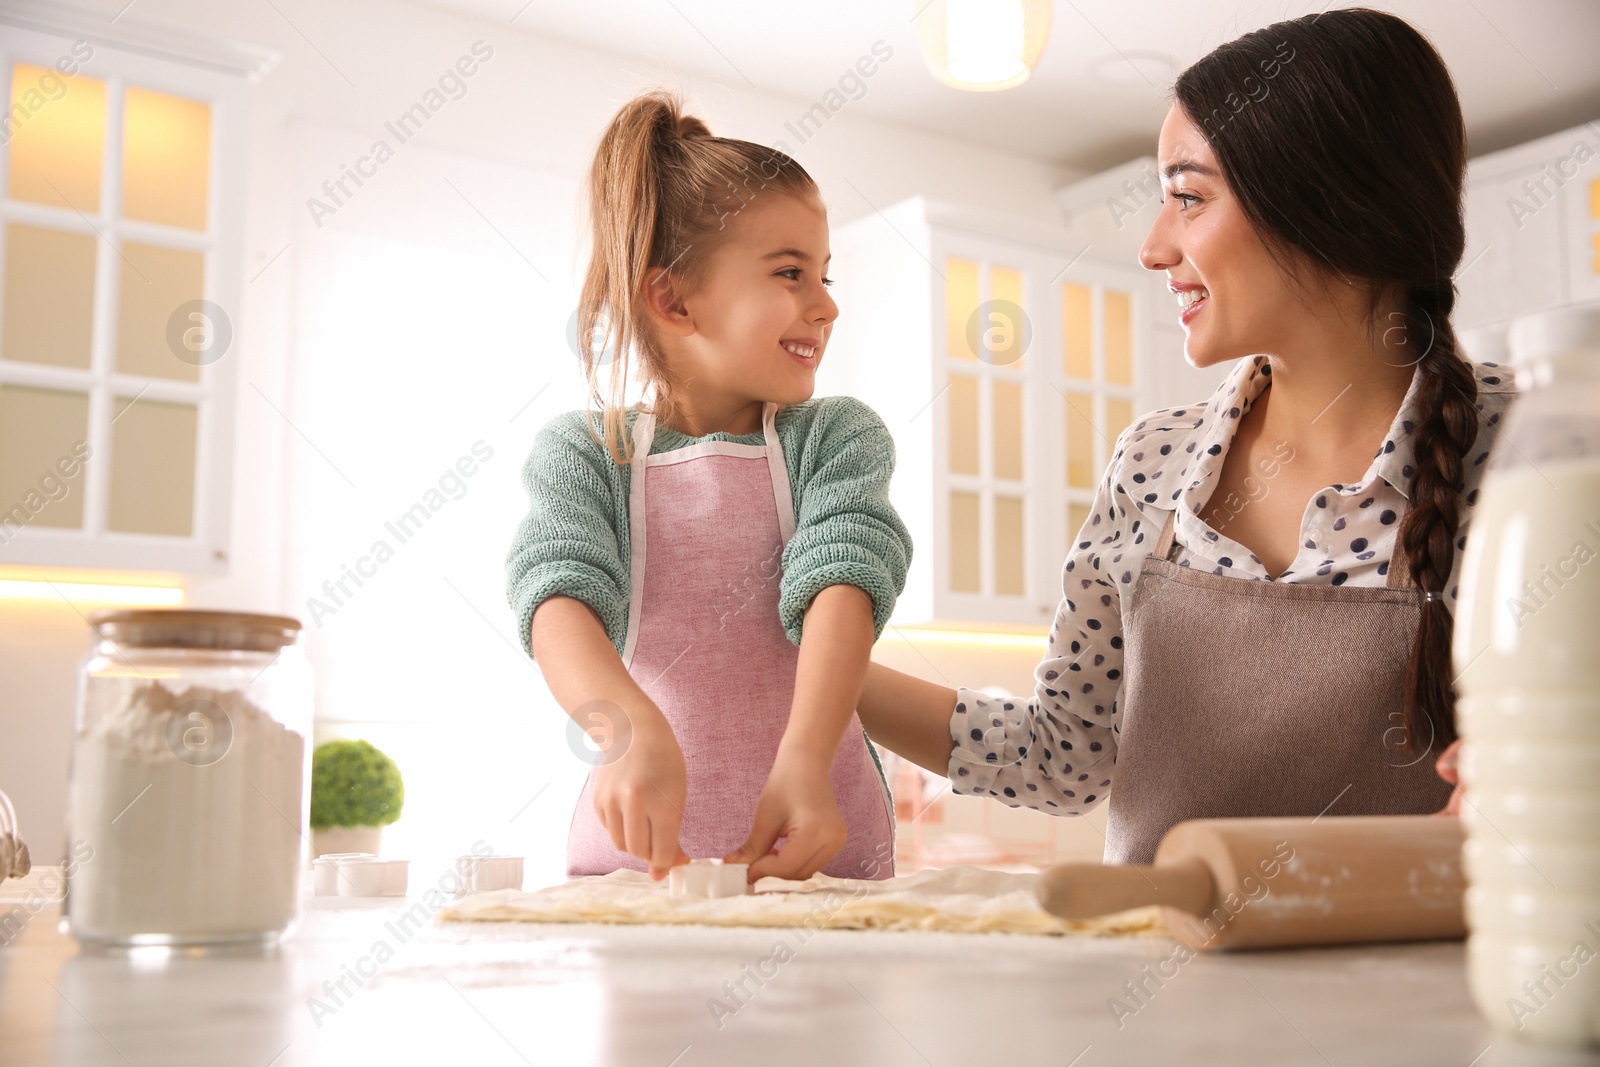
[195,628]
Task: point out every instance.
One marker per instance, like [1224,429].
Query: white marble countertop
[489,994]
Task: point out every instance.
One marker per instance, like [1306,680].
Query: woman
[1256,618]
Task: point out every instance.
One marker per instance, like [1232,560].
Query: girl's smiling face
[1232,297]
[754,322]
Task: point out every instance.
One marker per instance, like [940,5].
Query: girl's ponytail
[624,184]
[661,191]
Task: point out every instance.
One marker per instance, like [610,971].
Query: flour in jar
[192,804]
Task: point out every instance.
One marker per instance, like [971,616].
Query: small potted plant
[355,792]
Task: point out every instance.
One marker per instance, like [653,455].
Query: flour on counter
[192,803]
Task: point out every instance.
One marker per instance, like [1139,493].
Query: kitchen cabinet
[123,172]
[1533,232]
[1005,360]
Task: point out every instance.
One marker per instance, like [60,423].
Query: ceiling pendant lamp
[982,45]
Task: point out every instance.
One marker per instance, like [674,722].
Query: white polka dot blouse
[1057,751]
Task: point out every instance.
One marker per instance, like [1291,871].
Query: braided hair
[1341,136]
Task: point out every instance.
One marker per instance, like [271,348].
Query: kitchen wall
[534,109]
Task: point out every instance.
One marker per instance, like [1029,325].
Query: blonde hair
[662,190]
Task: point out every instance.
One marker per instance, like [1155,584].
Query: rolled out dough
[962,899]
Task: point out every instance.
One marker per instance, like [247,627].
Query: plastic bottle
[1527,656]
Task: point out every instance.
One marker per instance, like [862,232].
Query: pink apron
[708,524]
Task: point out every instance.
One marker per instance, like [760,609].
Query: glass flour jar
[189,780]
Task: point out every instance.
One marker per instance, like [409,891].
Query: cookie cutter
[325,871]
[359,874]
[709,878]
[478,874]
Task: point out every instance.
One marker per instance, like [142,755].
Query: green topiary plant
[354,784]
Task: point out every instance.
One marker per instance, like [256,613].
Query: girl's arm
[797,802]
[641,784]
[842,571]
[833,663]
[567,581]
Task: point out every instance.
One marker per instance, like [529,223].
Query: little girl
[701,577]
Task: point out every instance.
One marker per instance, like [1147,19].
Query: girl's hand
[797,803]
[1448,770]
[640,796]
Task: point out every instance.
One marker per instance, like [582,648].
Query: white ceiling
[1523,68]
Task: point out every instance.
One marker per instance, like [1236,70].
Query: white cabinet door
[1582,210]
[1097,381]
[989,479]
[1512,264]
[1045,354]
[120,231]
[1005,361]
[1533,230]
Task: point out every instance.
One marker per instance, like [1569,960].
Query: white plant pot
[346,839]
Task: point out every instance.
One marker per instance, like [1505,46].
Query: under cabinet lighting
[147,596]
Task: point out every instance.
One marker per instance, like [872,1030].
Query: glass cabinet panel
[1009,572]
[57,139]
[1077,331]
[960,303]
[1119,414]
[963,424]
[40,430]
[49,296]
[1079,420]
[965,571]
[153,451]
[166,159]
[1119,338]
[1007,430]
[1004,335]
[155,282]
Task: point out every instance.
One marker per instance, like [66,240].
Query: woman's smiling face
[1233,298]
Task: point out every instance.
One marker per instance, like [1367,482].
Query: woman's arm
[641,783]
[833,662]
[1057,751]
[909,716]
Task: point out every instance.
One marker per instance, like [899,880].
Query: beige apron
[1255,698]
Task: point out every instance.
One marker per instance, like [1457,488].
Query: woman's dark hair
[1341,136]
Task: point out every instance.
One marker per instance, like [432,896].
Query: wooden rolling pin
[1260,883]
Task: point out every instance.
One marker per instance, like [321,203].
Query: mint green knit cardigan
[574,540]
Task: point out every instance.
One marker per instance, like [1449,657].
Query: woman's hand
[1449,771]
[797,804]
[640,796]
